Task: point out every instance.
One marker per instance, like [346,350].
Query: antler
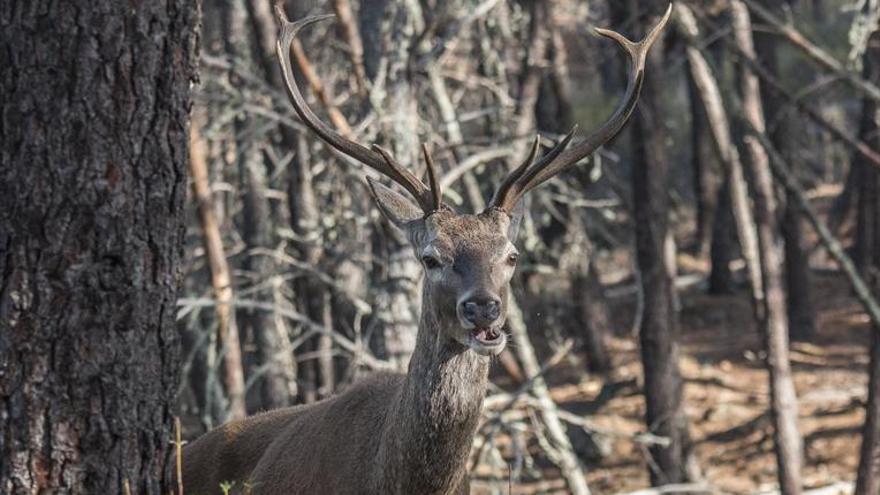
[531,174]
[376,158]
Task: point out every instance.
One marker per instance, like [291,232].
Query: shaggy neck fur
[428,433]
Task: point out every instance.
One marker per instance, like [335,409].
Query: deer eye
[431,263]
[512,258]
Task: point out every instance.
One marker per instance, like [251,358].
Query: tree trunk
[723,248]
[786,127]
[706,83]
[389,29]
[273,348]
[773,320]
[93,141]
[868,260]
[316,380]
[706,181]
[659,330]
[302,212]
[592,311]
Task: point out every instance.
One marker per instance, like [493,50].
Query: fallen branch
[676,488]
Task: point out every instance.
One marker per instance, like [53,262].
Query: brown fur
[404,434]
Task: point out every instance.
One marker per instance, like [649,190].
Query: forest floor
[726,397]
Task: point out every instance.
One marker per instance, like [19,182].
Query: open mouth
[487,336]
[487,341]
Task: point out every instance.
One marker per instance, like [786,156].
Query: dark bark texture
[94,113]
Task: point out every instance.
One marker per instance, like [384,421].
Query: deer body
[404,434]
[390,433]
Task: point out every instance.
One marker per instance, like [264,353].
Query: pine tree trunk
[659,330]
[95,99]
[773,319]
[786,127]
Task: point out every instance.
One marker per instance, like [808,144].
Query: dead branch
[233,375]
[782,171]
[352,36]
[567,460]
[814,52]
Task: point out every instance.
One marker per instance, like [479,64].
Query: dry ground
[726,397]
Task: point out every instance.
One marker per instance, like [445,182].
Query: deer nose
[482,310]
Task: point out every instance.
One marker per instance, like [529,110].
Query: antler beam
[531,173]
[376,158]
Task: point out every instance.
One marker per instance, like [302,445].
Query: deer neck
[429,432]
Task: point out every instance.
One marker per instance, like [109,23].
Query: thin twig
[178,448]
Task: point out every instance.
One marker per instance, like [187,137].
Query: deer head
[468,259]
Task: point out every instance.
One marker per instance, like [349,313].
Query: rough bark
[773,321]
[93,140]
[868,260]
[659,330]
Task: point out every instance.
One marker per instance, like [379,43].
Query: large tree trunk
[659,330]
[93,142]
[868,260]
[773,317]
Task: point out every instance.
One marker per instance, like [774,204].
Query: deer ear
[396,207]
[516,217]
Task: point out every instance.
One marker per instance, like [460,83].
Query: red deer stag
[404,434]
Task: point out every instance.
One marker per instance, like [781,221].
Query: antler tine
[506,200]
[549,166]
[507,184]
[376,160]
[433,181]
[402,176]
